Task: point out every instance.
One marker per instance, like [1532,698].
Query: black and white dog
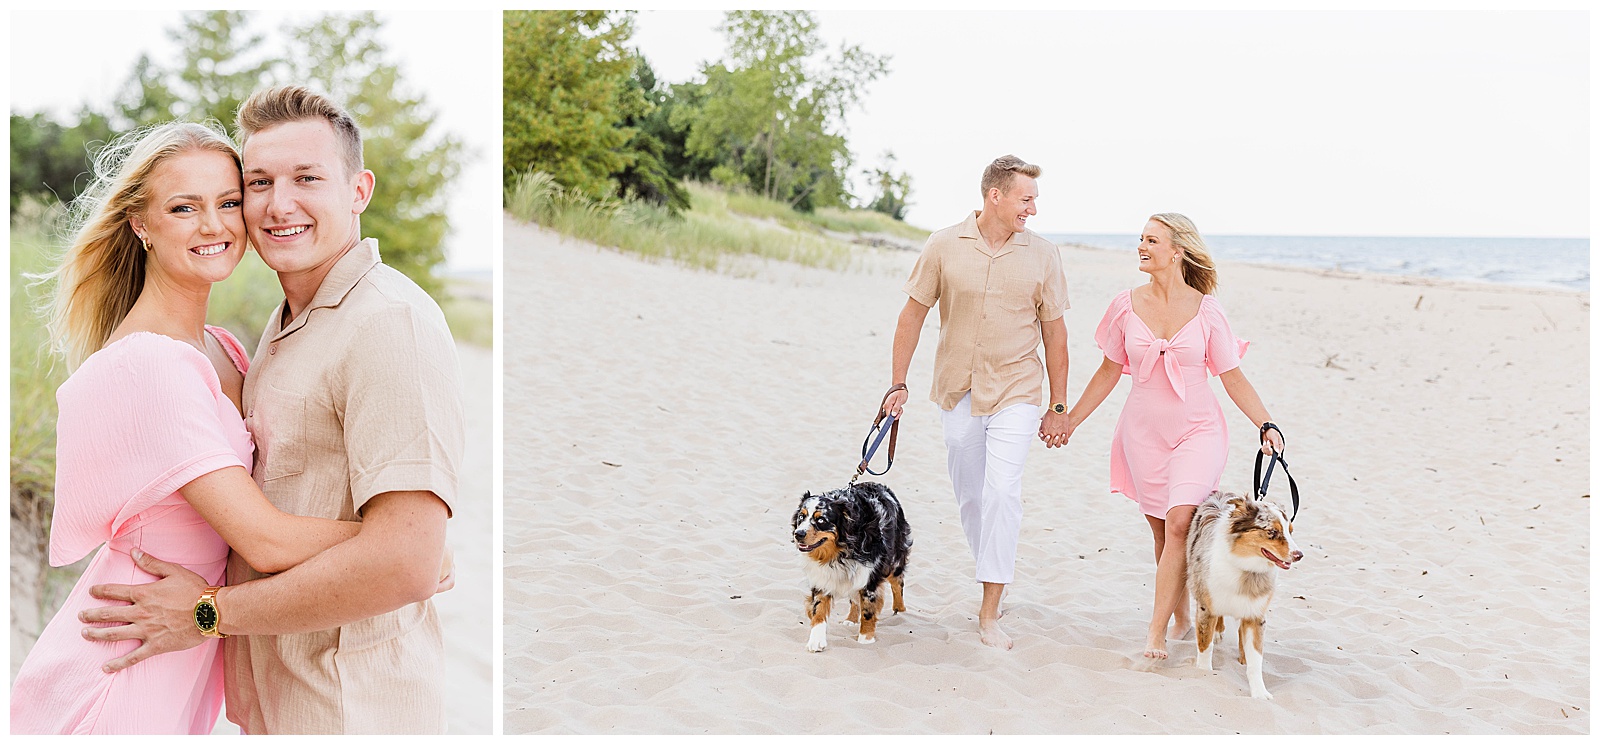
[854,540]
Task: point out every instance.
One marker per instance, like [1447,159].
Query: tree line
[586,108]
[220,64]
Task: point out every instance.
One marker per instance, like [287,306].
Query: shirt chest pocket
[278,423]
[1020,294]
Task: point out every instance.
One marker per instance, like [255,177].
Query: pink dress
[139,419]
[1171,442]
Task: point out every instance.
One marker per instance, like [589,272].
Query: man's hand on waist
[160,614]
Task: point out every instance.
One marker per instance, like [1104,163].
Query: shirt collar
[349,270]
[969,229]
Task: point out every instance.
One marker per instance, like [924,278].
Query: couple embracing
[1001,293]
[269,531]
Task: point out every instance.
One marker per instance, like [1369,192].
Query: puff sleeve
[138,420]
[1223,349]
[1111,333]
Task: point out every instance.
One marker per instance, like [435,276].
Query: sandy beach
[464,611]
[661,423]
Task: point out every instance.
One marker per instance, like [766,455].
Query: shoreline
[1401,279]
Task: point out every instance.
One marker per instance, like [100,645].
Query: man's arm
[1053,428]
[907,332]
[393,562]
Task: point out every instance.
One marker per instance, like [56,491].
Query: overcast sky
[1291,123]
[87,57]
[1301,123]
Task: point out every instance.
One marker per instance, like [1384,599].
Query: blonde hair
[293,103]
[102,270]
[1199,271]
[1003,171]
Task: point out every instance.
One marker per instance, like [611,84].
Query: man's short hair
[292,103]
[1002,171]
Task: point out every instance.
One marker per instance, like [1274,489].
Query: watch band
[207,618]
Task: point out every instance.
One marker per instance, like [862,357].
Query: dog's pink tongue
[1284,565]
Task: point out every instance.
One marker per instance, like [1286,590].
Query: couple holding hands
[270,531]
[1001,292]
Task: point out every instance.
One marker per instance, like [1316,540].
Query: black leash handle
[880,427]
[1276,458]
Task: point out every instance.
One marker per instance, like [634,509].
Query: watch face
[205,616]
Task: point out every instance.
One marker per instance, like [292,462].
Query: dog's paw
[1203,660]
[863,639]
[819,638]
[1261,694]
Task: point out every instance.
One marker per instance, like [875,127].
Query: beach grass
[469,309]
[825,219]
[34,378]
[720,229]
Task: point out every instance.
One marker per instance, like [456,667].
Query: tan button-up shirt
[991,303]
[357,396]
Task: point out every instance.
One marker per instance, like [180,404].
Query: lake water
[1561,263]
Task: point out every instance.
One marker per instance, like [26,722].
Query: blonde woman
[1171,442]
[152,453]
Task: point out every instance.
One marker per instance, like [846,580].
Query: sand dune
[661,423]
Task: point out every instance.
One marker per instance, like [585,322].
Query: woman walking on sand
[1171,443]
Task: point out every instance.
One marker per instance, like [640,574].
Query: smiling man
[354,404]
[1000,291]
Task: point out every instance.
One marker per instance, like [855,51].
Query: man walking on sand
[1001,292]
[354,403]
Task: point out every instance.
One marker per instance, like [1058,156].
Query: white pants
[986,455]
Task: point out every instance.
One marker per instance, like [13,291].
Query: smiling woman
[152,451]
[199,229]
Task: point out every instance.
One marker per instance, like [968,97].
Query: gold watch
[206,616]
[1059,408]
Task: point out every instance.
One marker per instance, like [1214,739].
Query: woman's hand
[447,571]
[1271,442]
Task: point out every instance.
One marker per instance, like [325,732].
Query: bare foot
[1181,629]
[1155,647]
[990,634]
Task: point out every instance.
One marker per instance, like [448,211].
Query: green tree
[893,190]
[566,92]
[50,160]
[649,177]
[772,116]
[220,66]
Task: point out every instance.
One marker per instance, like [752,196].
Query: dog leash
[884,424]
[1276,458]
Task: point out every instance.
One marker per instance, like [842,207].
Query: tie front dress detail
[1171,442]
[139,419]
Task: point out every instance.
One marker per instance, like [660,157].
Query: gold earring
[146,242]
